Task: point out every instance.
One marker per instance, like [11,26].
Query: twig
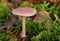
[57,18]
[14,31]
[10,33]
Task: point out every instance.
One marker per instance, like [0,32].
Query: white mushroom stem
[23,28]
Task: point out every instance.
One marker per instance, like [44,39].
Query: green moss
[5,37]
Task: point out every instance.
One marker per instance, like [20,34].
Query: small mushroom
[42,16]
[24,12]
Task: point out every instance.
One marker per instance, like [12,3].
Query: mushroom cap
[24,11]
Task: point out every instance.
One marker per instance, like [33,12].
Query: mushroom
[24,12]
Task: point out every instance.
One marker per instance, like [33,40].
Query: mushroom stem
[23,28]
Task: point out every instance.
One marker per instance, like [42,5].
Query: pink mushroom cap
[25,11]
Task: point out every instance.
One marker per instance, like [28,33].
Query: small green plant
[26,4]
[51,9]
[5,37]
[40,7]
[4,12]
